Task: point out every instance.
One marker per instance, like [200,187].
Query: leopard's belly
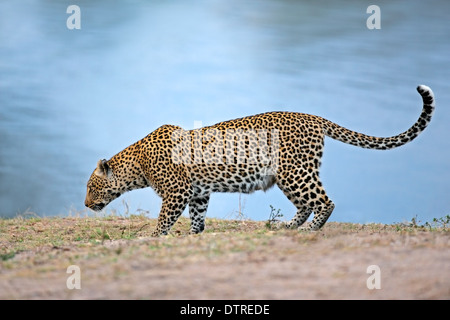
[241,178]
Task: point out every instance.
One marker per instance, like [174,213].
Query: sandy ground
[249,262]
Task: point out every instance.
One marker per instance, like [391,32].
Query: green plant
[274,217]
[7,256]
[415,223]
[442,222]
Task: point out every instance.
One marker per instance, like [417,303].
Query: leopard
[184,167]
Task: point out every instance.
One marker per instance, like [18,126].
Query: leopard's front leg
[171,209]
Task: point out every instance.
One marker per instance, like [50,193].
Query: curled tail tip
[423,88]
[427,94]
[425,91]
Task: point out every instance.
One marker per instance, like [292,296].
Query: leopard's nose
[87,201]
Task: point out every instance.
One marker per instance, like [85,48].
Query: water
[71,97]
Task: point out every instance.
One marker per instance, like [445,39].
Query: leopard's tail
[361,140]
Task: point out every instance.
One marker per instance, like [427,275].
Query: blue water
[71,97]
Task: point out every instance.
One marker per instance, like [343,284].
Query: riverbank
[115,258]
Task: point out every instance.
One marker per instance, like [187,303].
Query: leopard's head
[102,187]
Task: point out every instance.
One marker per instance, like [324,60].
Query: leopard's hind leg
[300,217]
[308,195]
[322,211]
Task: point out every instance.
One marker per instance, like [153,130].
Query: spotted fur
[185,167]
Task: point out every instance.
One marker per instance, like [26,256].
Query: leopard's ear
[103,169]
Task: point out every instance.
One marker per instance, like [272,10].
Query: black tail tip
[427,96]
[422,89]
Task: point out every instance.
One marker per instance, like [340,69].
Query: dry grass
[119,252]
